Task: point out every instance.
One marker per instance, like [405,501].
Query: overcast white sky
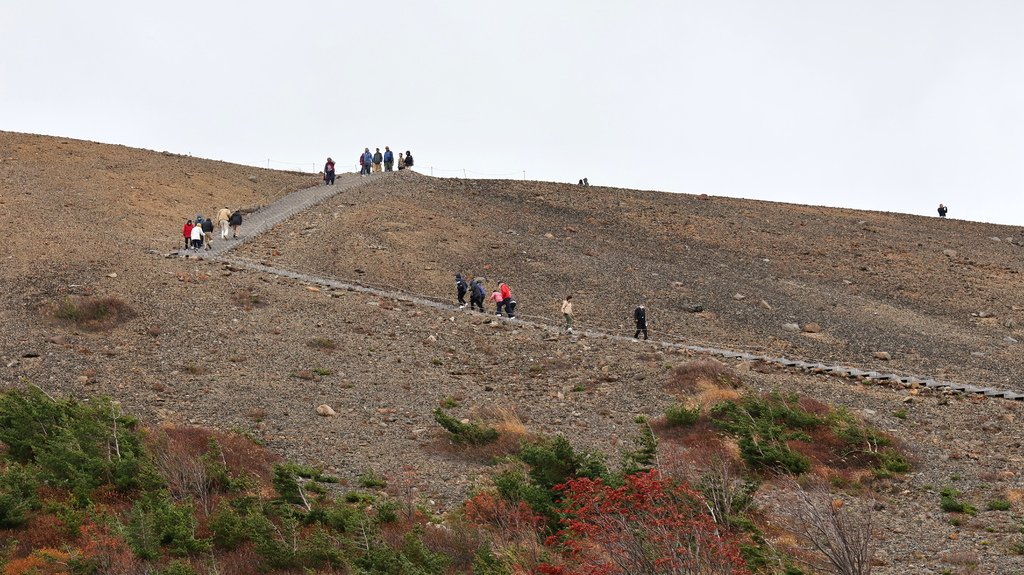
[878,104]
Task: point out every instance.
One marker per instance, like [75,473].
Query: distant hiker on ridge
[401,161]
[461,288]
[365,161]
[222,220]
[567,313]
[942,210]
[408,159]
[640,317]
[389,159]
[377,159]
[329,172]
[235,221]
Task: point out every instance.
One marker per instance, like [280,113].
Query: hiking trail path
[275,213]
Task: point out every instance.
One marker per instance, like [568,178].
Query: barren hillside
[214,345]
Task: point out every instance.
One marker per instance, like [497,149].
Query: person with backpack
[235,221]
[477,295]
[567,313]
[208,233]
[186,231]
[408,159]
[640,317]
[461,288]
[329,172]
[389,159]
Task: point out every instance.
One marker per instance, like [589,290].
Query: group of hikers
[502,298]
[198,233]
[372,163]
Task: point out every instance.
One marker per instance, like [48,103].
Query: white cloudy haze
[877,104]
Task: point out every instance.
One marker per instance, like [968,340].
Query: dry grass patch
[92,313]
[701,376]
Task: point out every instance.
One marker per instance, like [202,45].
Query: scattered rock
[986,313]
[694,308]
[112,275]
[549,236]
[812,328]
[793,327]
[1009,339]
[325,410]
[882,355]
[765,305]
[1010,324]
[949,253]
[739,297]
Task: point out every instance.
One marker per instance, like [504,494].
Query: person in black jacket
[640,317]
[461,288]
[942,210]
[235,221]
[208,233]
[408,159]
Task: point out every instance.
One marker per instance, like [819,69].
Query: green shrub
[949,503]
[343,518]
[387,511]
[286,481]
[92,312]
[762,426]
[177,567]
[228,527]
[553,461]
[18,486]
[156,522]
[77,446]
[370,480]
[999,505]
[465,433]
[411,558]
[893,462]
[486,563]
[679,415]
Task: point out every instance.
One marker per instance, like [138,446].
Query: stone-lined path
[275,213]
[268,216]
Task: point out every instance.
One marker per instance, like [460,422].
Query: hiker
[366,161]
[408,159]
[461,288]
[235,221]
[581,183]
[942,211]
[510,309]
[496,298]
[640,317]
[586,183]
[196,235]
[186,231]
[329,172]
[377,159]
[208,233]
[389,159]
[506,297]
[477,295]
[401,161]
[567,313]
[222,220]
[199,224]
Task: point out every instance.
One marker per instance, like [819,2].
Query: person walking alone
[389,159]
[329,172]
[222,221]
[567,313]
[377,159]
[942,210]
[640,317]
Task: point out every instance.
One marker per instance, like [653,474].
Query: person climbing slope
[460,290]
[567,313]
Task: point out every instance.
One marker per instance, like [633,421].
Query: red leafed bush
[649,526]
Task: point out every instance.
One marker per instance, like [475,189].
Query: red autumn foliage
[649,526]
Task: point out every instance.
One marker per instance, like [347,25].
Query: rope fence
[317,167]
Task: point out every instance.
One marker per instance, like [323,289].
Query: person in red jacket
[186,231]
[506,298]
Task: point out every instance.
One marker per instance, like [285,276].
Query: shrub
[644,455]
[156,521]
[228,527]
[762,426]
[949,503]
[999,505]
[680,415]
[840,531]
[177,567]
[18,486]
[93,313]
[646,526]
[77,446]
[370,480]
[322,343]
[465,433]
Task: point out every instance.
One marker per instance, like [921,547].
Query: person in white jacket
[197,237]
[567,312]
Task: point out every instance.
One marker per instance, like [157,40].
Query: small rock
[1009,339]
[812,328]
[908,399]
[694,308]
[995,239]
[791,327]
[253,179]
[848,282]
[112,275]
[765,305]
[739,297]
[549,236]
[57,339]
[312,289]
[949,253]
[882,355]
[977,354]
[325,410]
[985,313]
[1010,324]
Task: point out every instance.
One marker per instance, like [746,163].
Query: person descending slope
[567,313]
[329,172]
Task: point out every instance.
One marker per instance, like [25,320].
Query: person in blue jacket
[367,162]
[389,159]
